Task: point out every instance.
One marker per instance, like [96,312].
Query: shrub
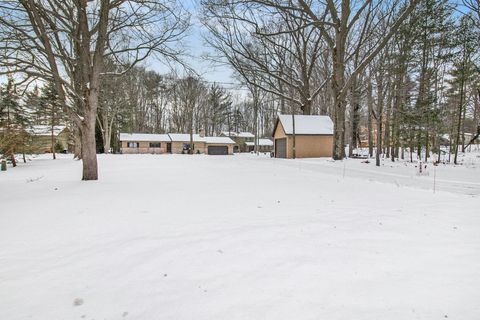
[58,147]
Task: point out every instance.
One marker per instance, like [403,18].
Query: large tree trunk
[89,151]
[338,82]
[87,132]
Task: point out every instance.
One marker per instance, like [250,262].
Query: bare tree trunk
[255,120]
[395,108]
[369,118]
[459,121]
[387,122]
[338,81]
[13,160]
[354,117]
[379,114]
[89,149]
[427,145]
[463,126]
[107,140]
[190,147]
[53,136]
[107,133]
[294,137]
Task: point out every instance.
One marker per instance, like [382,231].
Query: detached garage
[313,136]
[219,145]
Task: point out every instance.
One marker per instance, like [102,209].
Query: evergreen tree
[50,112]
[466,39]
[14,121]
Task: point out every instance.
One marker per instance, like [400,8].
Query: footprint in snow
[77,302]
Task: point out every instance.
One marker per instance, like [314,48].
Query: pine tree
[466,38]
[50,112]
[13,123]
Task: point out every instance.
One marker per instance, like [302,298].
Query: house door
[281,148]
[169,147]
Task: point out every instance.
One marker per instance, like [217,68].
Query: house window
[133,144]
[154,144]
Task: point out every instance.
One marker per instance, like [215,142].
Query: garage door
[218,150]
[281,148]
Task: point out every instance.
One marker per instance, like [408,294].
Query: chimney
[201,133]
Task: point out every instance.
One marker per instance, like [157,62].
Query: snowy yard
[238,237]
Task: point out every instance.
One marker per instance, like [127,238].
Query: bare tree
[347,29]
[190,89]
[281,50]
[67,41]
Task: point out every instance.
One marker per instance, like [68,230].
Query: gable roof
[219,140]
[305,125]
[144,137]
[246,135]
[237,134]
[185,137]
[261,142]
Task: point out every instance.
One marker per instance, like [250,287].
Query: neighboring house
[241,139]
[144,143]
[313,136]
[264,145]
[41,138]
[174,143]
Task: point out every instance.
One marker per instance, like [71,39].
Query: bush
[58,147]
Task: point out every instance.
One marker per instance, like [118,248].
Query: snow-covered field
[238,237]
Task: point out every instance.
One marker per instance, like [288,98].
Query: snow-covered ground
[463,178]
[238,237]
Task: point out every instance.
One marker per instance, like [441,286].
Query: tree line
[403,74]
[140,100]
[396,75]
